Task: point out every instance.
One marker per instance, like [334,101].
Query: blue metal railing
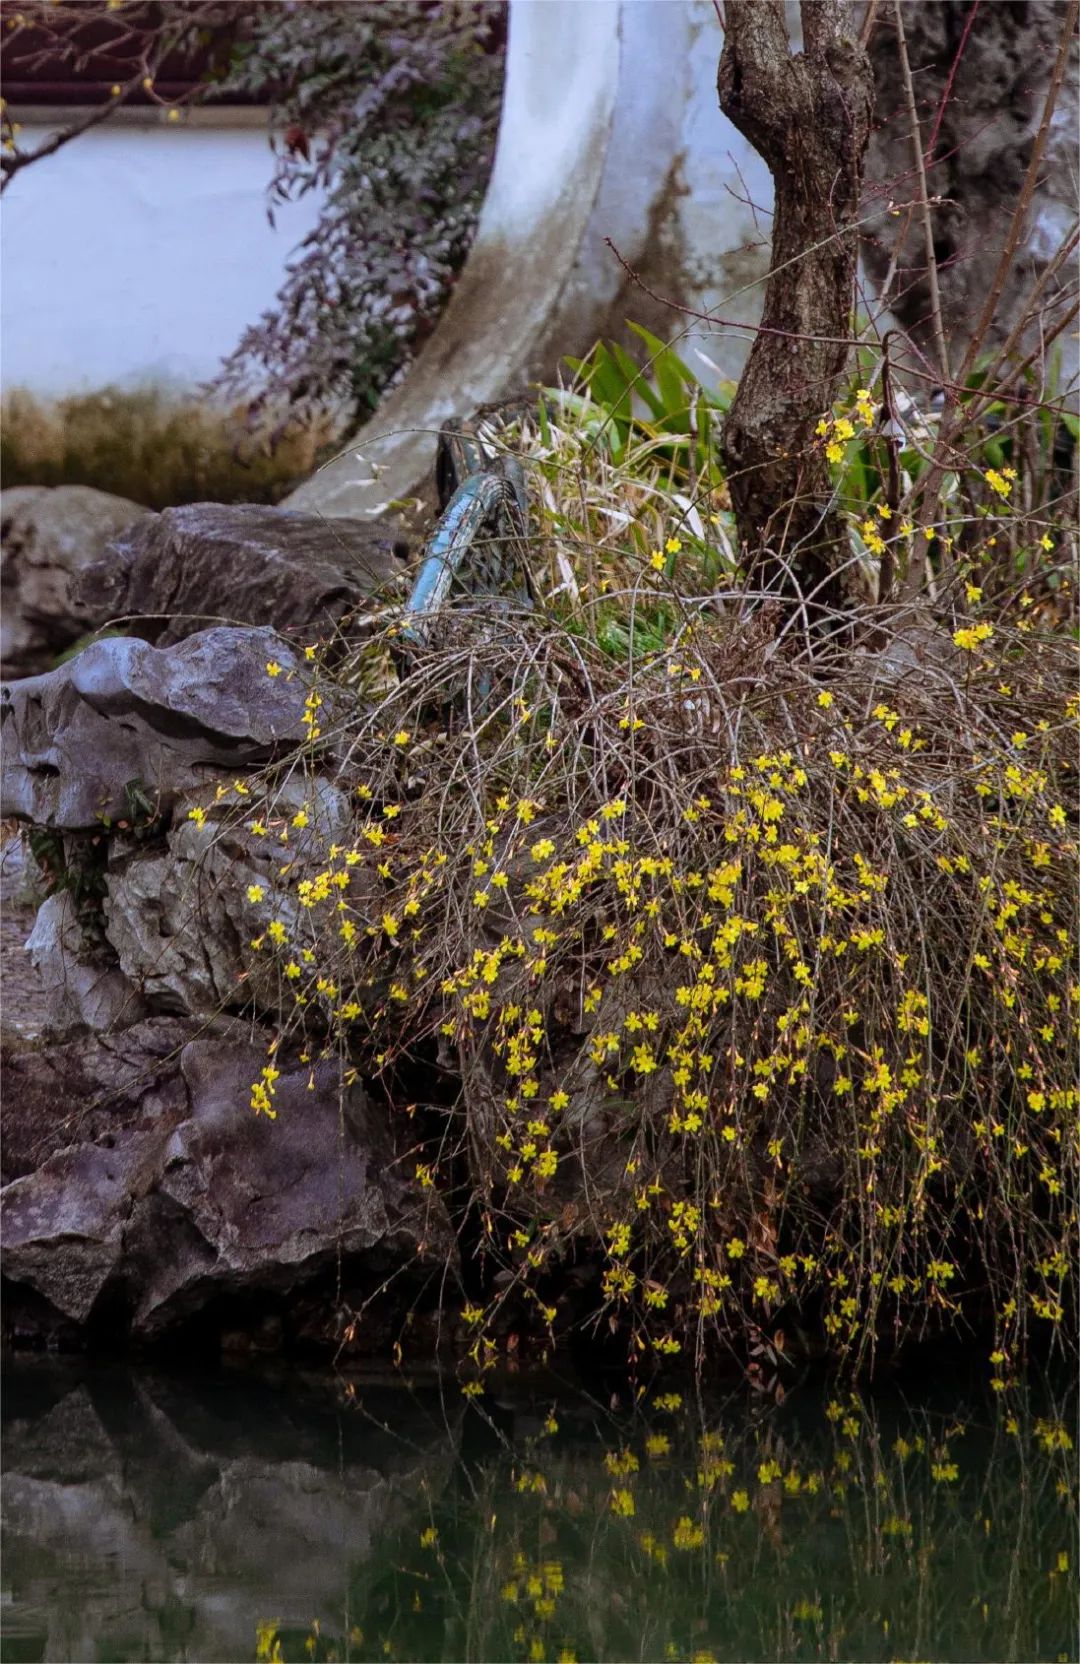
[478,548]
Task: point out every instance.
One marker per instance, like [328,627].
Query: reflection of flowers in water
[538,1529]
[735,1538]
[722,1540]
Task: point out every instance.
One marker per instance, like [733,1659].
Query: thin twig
[924,200]
[1020,213]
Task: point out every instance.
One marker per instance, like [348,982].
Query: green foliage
[390,110]
[661,402]
[632,512]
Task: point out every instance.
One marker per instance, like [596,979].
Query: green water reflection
[155,1517]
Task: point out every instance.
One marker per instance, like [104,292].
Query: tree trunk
[809,116]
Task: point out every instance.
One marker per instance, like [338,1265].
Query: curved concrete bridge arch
[610,129]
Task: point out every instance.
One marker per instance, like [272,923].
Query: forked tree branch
[809,116]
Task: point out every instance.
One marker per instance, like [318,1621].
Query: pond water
[246,1516]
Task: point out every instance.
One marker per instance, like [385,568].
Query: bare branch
[924,200]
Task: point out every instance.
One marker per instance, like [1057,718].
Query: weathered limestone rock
[259,1204]
[48,535]
[123,714]
[240,563]
[178,913]
[89,1089]
[64,1224]
[84,986]
[206,1199]
[25,1006]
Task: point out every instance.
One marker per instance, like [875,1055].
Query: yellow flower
[970,639]
[273,668]
[255,892]
[656,561]
[673,545]
[402,737]
[825,699]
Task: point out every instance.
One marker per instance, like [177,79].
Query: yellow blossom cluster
[852,935]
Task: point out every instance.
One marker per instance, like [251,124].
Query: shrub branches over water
[757,971]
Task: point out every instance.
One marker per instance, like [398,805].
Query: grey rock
[48,535]
[84,987]
[25,1006]
[169,1211]
[64,1224]
[178,915]
[241,563]
[121,713]
[90,1088]
[266,1204]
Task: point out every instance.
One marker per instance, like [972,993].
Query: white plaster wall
[138,254]
[721,223]
[611,129]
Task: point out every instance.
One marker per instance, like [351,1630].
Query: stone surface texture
[25,1004]
[210,563]
[88,1089]
[1003,64]
[48,535]
[140,1188]
[190,1196]
[178,914]
[84,986]
[123,714]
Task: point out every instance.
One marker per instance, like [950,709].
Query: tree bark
[809,116]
